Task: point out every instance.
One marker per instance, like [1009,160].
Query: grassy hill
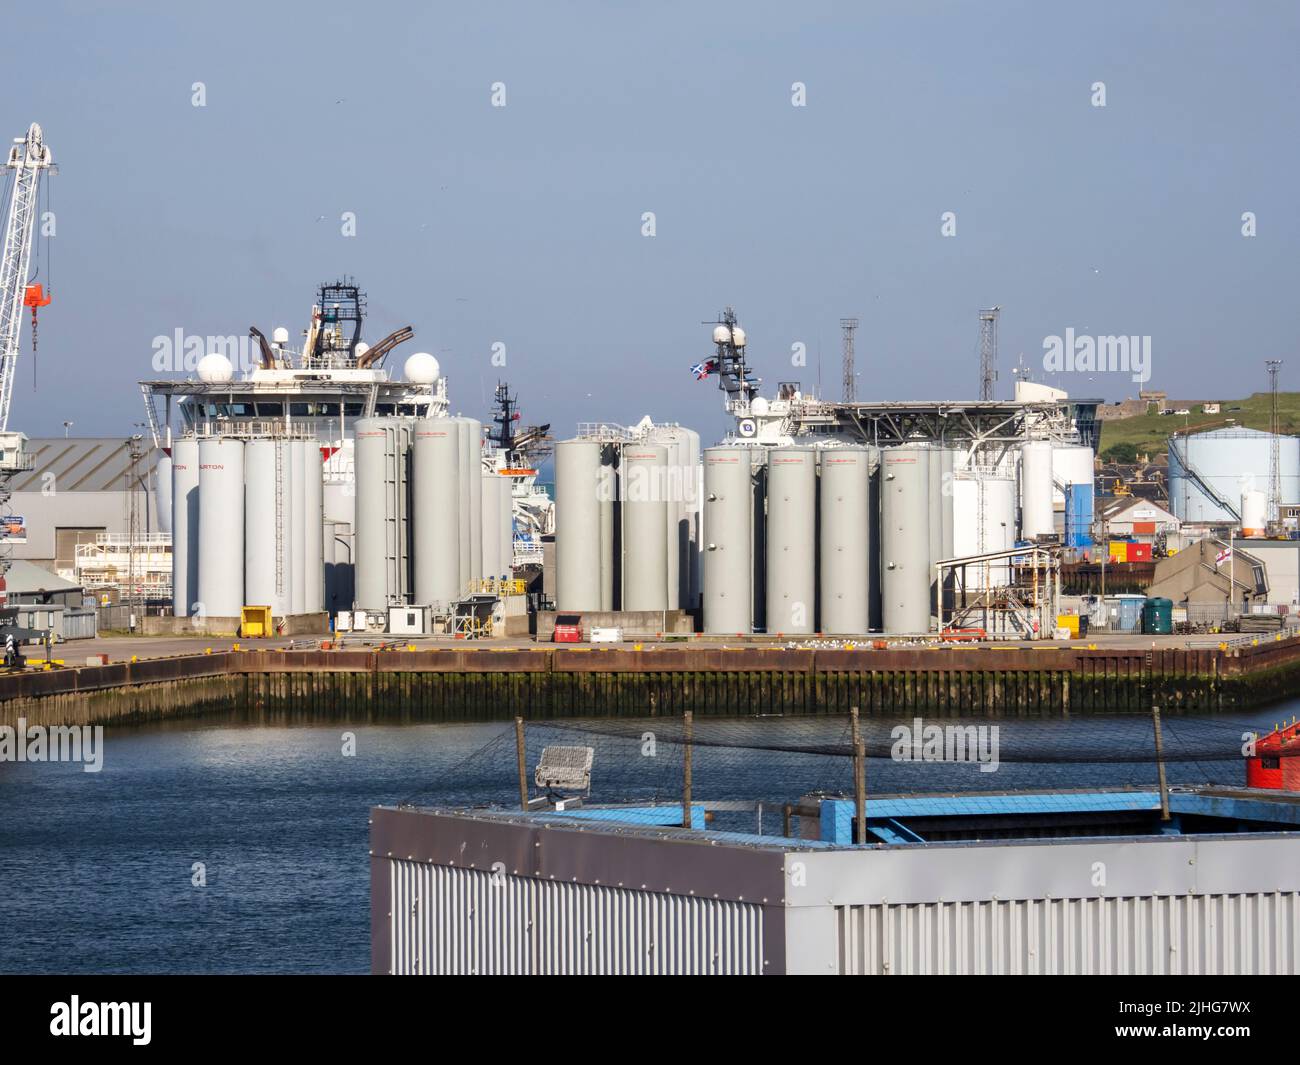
[1148,433]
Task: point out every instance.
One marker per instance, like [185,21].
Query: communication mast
[988,351]
[849,325]
[1275,446]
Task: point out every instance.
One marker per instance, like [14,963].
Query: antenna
[988,351]
[849,325]
[1275,448]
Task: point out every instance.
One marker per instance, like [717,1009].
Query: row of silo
[247,526]
[431,521]
[626,522]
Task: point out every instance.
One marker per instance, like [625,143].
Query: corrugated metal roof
[82,464]
[25,578]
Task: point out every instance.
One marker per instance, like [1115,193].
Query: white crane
[29,159]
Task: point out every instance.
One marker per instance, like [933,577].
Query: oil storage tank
[905,539]
[491,518]
[791,540]
[185,526]
[314,543]
[846,548]
[645,527]
[578,564]
[221,528]
[1208,471]
[728,510]
[436,515]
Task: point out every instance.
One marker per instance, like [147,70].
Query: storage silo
[162,495]
[382,562]
[437,519]
[607,495]
[185,526]
[728,511]
[845,500]
[313,480]
[295,490]
[506,552]
[221,528]
[491,518]
[475,474]
[905,539]
[791,540]
[1071,464]
[1208,471]
[268,544]
[1036,515]
[578,563]
[692,483]
[645,527]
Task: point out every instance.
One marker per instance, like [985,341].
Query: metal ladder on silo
[279,519]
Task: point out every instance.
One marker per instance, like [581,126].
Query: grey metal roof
[25,577]
[83,463]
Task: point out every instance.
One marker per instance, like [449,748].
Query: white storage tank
[268,577]
[475,474]
[314,545]
[506,552]
[645,527]
[728,510]
[607,496]
[1036,513]
[1254,512]
[1071,464]
[491,519]
[221,528]
[185,526]
[436,517]
[791,540]
[844,500]
[905,539]
[381,564]
[578,564]
[162,474]
[1208,471]
[296,508]
[984,521]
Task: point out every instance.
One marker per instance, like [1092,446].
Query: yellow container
[255,621]
[1068,621]
[1119,551]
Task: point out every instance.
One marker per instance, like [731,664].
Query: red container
[1139,552]
[568,629]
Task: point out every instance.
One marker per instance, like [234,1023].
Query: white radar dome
[738,335]
[215,369]
[280,335]
[361,348]
[758,405]
[421,369]
[721,334]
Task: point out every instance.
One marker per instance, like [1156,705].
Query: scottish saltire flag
[701,370]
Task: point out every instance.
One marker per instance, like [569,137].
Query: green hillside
[1150,432]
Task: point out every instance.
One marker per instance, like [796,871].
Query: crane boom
[29,158]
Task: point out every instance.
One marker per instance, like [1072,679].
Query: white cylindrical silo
[1207,471]
[476,499]
[935,550]
[185,526]
[946,462]
[1036,490]
[506,552]
[1071,464]
[162,495]
[607,492]
[1254,512]
[296,506]
[791,540]
[314,541]
[436,516]
[691,484]
[673,511]
[577,525]
[491,521]
[905,539]
[221,528]
[728,511]
[645,527]
[382,562]
[267,541]
[844,503]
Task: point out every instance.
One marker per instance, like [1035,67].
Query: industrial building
[1100,883]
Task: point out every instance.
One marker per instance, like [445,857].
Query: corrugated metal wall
[468,921]
[1187,934]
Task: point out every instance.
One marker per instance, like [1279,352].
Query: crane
[29,160]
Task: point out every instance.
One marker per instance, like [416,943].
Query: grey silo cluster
[839,540]
[431,520]
[248,526]
[627,522]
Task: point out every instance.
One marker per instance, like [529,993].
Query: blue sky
[522,225]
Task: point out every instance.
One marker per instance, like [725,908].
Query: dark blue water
[96,868]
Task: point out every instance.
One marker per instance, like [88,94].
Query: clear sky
[522,224]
